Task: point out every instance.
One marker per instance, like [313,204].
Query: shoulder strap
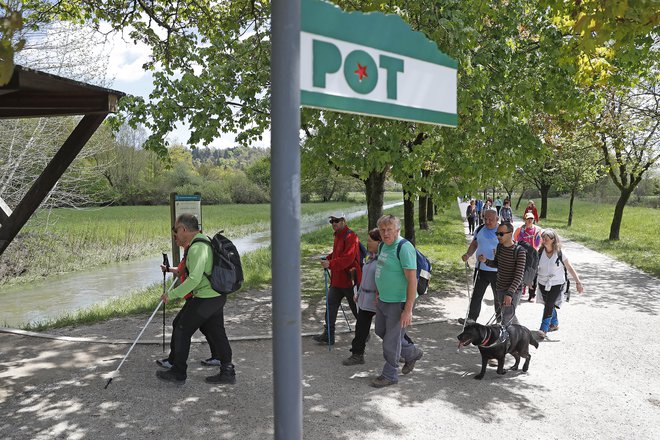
[398,247]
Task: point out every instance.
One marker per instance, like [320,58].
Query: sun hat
[337,214]
[529,215]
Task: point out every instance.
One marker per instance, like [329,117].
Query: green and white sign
[373,64]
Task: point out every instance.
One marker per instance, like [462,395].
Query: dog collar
[486,339]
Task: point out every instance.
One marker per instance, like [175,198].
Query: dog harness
[504,336]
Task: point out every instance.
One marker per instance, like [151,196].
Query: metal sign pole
[285,218]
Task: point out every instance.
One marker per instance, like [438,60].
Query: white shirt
[551,271]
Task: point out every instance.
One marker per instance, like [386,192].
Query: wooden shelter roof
[31,93]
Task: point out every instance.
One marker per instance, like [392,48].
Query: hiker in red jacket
[345,256]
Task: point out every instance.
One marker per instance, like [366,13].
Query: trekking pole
[469,291]
[114,373]
[166,263]
[327,309]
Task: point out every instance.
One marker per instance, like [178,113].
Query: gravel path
[592,379]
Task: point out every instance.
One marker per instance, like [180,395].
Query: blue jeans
[395,342]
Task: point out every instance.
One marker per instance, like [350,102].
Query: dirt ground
[594,378]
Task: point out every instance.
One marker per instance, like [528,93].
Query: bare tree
[629,133]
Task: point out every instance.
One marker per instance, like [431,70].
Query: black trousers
[362,329]
[471,221]
[207,315]
[335,295]
[214,346]
[483,279]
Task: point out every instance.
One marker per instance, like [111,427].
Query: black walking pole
[166,263]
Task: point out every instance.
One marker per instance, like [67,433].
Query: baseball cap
[529,215]
[337,214]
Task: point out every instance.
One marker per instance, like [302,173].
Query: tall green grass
[68,240]
[639,243]
[443,243]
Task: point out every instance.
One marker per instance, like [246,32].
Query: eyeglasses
[502,234]
[336,220]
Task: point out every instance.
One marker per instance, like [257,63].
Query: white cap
[529,215]
[337,214]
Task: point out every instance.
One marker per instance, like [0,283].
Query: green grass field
[639,243]
[68,240]
[443,243]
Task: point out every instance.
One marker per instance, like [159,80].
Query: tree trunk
[429,208]
[570,208]
[374,191]
[545,189]
[409,217]
[423,223]
[522,193]
[618,214]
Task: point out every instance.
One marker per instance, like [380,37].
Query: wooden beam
[48,178]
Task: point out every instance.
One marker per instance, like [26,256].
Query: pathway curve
[594,378]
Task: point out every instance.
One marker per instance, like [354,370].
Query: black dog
[494,342]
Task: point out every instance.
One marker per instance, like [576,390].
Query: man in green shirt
[396,281]
[203,311]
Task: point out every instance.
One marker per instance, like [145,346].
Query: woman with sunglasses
[552,279]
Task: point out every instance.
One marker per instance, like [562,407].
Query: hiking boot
[354,359]
[170,376]
[211,362]
[410,365]
[165,363]
[227,375]
[553,328]
[323,339]
[381,382]
[541,334]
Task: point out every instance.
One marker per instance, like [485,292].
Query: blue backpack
[423,267]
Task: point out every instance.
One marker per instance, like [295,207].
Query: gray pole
[285,218]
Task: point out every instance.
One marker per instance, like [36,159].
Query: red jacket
[533,210]
[345,255]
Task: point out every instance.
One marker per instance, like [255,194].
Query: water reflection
[63,293]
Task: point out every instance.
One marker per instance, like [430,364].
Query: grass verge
[443,243]
[639,235]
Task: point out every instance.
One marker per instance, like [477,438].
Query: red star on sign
[361,71]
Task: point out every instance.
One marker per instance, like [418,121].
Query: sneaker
[381,382]
[165,363]
[211,362]
[553,328]
[227,375]
[323,339]
[410,365]
[493,362]
[354,359]
[170,376]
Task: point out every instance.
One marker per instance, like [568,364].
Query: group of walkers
[383,286]
[476,210]
[501,264]
[387,291]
